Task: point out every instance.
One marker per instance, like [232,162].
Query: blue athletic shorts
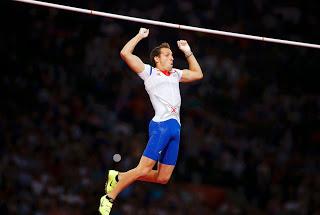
[164,139]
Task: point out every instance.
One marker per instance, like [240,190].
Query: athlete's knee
[163,179]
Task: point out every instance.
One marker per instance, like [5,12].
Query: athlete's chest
[158,81]
[159,77]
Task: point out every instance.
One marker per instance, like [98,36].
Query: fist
[184,46]
[143,32]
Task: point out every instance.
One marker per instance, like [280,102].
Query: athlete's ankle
[110,198]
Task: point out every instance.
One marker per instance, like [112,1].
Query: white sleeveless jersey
[163,91]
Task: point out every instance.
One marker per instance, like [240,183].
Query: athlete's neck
[164,71]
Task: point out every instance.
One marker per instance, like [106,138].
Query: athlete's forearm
[133,61]
[131,44]
[194,65]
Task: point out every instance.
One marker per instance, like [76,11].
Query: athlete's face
[165,59]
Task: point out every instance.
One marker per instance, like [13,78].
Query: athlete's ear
[156,59]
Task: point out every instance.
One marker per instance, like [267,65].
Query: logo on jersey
[173,109]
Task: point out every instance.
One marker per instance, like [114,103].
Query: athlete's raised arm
[133,61]
[194,72]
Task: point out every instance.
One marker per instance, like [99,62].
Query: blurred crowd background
[250,129]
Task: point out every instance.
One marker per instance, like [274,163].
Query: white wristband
[188,54]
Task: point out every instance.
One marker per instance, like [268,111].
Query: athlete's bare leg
[161,175]
[144,168]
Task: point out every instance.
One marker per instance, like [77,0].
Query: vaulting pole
[170,25]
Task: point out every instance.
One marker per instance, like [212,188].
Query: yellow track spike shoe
[111,182]
[105,205]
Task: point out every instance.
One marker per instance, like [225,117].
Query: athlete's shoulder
[176,72]
[147,71]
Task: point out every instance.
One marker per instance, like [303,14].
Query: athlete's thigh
[169,155]
[159,135]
